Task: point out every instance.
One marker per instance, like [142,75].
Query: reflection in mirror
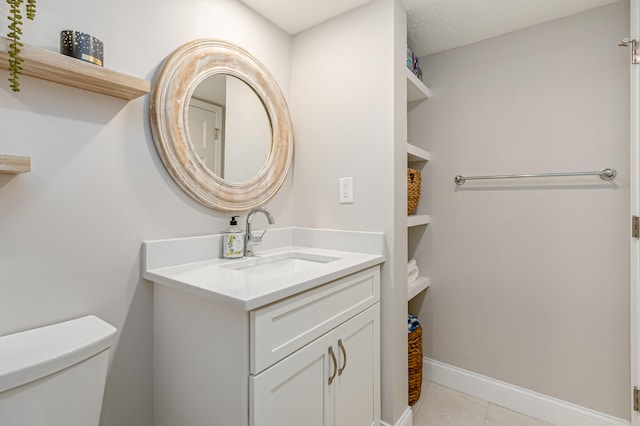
[229,127]
[205,131]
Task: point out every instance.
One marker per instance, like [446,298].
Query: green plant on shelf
[15,31]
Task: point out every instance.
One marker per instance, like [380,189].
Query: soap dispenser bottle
[233,240]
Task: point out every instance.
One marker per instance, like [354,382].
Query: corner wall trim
[405,420]
[525,401]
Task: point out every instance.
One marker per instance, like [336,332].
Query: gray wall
[71,230]
[530,279]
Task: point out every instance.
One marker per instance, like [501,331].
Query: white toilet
[55,375]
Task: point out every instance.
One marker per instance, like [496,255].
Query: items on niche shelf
[412,322]
[413,63]
[412,271]
[414,180]
[414,340]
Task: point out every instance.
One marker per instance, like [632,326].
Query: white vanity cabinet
[332,381]
[271,366]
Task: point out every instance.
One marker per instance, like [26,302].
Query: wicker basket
[415,365]
[414,178]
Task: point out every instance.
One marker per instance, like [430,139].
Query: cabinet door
[295,391]
[357,385]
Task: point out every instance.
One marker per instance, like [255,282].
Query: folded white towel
[412,271]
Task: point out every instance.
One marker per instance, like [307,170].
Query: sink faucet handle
[258,239]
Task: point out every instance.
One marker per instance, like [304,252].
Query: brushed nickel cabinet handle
[335,364]
[344,352]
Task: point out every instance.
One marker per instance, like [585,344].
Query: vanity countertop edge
[247,292]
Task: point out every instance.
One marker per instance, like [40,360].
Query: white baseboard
[405,420]
[525,401]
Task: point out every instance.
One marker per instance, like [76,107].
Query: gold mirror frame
[181,73]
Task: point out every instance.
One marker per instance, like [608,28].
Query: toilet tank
[55,375]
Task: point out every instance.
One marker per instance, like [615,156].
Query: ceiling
[433,25]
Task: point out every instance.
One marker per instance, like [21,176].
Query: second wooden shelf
[14,165]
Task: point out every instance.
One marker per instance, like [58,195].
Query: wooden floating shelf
[14,165]
[58,68]
[416,89]
[420,284]
[418,219]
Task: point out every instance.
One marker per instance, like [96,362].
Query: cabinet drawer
[280,329]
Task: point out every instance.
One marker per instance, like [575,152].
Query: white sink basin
[279,264]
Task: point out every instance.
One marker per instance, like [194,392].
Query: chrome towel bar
[605,174]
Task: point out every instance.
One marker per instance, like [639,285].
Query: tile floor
[441,406]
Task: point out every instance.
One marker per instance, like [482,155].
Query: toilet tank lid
[33,354]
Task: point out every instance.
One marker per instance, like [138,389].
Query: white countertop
[246,290]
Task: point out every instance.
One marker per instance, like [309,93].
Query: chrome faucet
[250,239]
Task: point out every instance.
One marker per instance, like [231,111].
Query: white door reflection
[229,128]
[205,130]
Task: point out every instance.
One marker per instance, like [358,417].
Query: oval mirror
[221,125]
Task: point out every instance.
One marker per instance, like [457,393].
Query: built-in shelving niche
[418,219]
[415,287]
[417,155]
[417,91]
[57,68]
